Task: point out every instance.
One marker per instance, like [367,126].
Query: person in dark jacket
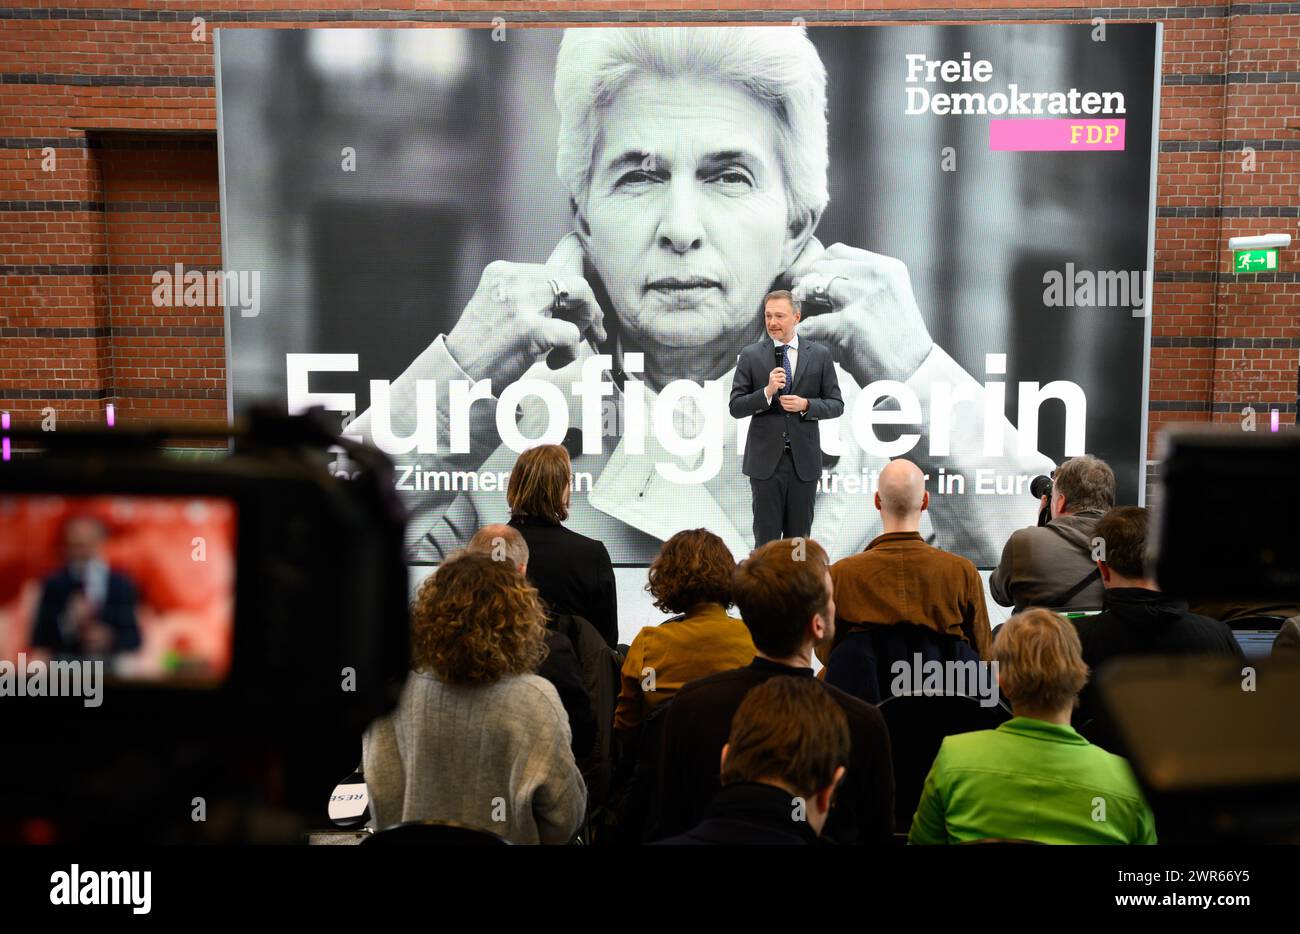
[786,755]
[573,573]
[560,666]
[86,608]
[784,593]
[1052,565]
[1137,618]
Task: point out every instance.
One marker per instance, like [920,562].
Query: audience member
[1034,778]
[476,738]
[1052,565]
[784,593]
[1137,619]
[573,573]
[690,576]
[86,608]
[786,755]
[560,666]
[900,578]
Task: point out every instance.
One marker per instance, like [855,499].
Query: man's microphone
[780,362]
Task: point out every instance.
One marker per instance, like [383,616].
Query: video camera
[1214,740]
[1225,522]
[247,612]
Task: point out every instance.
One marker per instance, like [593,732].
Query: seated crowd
[520,717]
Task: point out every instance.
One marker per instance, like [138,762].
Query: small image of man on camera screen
[86,608]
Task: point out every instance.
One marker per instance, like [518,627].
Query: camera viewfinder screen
[144,583]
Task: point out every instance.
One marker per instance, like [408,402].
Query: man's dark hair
[1123,532]
[1086,482]
[778,589]
[787,731]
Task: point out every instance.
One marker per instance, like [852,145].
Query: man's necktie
[785,365]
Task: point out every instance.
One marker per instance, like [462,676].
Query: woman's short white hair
[777,64]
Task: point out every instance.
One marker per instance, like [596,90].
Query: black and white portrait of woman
[618,203]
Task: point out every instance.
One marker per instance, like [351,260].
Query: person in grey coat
[477,738]
[1055,565]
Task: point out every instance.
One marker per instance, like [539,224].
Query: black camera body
[319,645]
[1224,524]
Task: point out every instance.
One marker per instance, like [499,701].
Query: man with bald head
[901,496]
[501,542]
[899,578]
[560,666]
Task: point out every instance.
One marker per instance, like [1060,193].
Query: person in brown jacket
[899,578]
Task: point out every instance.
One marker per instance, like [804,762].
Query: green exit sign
[1254,260]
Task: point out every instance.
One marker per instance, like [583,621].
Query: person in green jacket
[1033,779]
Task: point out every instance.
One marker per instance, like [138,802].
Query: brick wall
[108,172]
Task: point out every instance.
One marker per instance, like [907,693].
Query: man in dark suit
[787,388]
[86,608]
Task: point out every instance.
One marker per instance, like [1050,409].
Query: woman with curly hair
[691,576]
[477,738]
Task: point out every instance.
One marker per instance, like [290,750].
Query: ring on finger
[823,289]
[560,296]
